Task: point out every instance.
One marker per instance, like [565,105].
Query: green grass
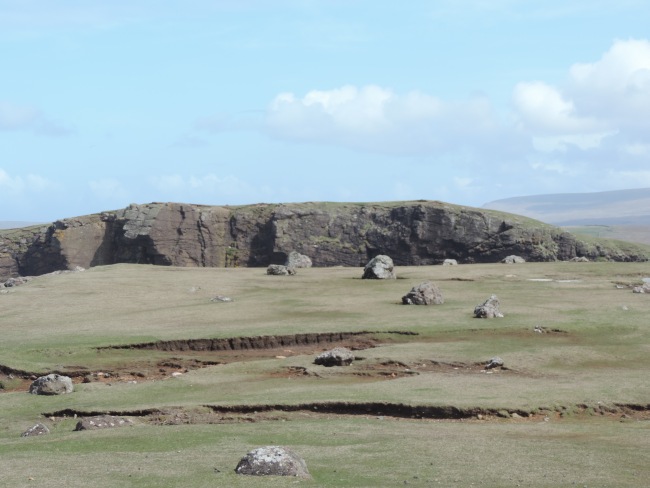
[601,355]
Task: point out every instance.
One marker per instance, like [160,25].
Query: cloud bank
[597,120]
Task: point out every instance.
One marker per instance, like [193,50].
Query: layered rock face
[348,234]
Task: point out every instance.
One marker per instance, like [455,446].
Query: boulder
[513,259]
[645,288]
[52,384]
[339,356]
[426,293]
[489,309]
[579,259]
[297,260]
[17,281]
[272,461]
[36,430]
[450,262]
[280,270]
[102,422]
[495,362]
[379,268]
[221,298]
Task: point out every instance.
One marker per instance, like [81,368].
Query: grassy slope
[55,322]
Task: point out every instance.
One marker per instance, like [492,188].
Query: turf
[573,380]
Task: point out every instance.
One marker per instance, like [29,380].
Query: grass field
[579,392]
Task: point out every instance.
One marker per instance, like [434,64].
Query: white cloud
[552,167]
[377,119]
[22,185]
[637,149]
[16,117]
[108,189]
[190,188]
[616,88]
[609,97]
[543,110]
[27,118]
[629,179]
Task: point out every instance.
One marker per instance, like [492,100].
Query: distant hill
[620,214]
[15,224]
[621,207]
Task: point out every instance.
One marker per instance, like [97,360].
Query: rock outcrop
[331,234]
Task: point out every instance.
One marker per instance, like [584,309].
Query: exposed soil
[215,414]
[193,354]
[259,342]
[388,370]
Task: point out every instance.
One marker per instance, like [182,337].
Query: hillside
[331,234]
[621,207]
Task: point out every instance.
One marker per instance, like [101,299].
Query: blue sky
[106,103]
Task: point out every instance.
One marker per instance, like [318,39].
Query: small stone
[36,430]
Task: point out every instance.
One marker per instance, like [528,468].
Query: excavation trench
[257,342]
[191,354]
[212,414]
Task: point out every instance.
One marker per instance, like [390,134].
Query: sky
[104,103]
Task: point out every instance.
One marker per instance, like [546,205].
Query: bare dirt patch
[194,354]
[222,414]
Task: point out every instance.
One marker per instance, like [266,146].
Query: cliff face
[412,233]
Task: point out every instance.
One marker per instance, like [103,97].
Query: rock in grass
[36,430]
[450,262]
[379,268]
[426,293]
[102,422]
[51,384]
[221,298]
[339,356]
[272,461]
[489,309]
[513,259]
[280,270]
[495,362]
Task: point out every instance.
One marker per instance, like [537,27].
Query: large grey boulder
[339,356]
[102,422]
[52,384]
[512,259]
[426,293]
[379,268]
[489,309]
[280,270]
[297,260]
[272,461]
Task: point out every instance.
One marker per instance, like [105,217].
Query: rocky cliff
[348,234]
